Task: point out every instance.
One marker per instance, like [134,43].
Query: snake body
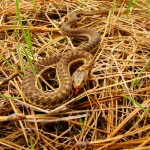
[92,35]
[50,100]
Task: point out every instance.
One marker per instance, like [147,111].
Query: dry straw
[111,111]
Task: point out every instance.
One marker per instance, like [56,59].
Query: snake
[63,62]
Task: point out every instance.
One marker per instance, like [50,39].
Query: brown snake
[50,100]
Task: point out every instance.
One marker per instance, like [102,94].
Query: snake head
[79,78]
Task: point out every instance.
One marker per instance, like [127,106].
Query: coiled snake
[50,100]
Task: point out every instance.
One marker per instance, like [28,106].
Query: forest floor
[112,110]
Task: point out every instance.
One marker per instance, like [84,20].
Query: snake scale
[50,100]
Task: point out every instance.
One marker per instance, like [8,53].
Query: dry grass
[111,111]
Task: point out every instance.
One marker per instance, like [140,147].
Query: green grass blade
[138,104]
[9,64]
[28,36]
[136,81]
[29,60]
